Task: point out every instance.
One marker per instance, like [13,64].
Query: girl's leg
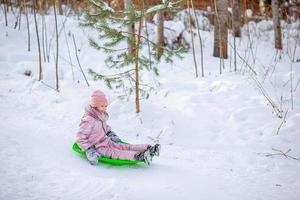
[129,147]
[117,153]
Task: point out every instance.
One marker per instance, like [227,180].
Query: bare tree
[236,23]
[56,60]
[43,7]
[18,19]
[47,47]
[200,39]
[76,53]
[234,49]
[43,35]
[192,37]
[28,29]
[160,34]
[221,28]
[38,41]
[5,12]
[69,54]
[276,21]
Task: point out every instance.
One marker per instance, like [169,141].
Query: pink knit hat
[98,98]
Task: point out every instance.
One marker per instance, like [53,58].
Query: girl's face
[102,108]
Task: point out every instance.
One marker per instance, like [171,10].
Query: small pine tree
[112,27]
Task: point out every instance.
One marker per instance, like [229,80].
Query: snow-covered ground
[215,131]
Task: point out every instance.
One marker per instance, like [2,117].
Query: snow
[215,131]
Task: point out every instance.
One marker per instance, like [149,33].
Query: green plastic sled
[111,161]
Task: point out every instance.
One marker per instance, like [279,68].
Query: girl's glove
[113,136]
[92,155]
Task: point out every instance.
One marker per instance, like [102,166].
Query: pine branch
[111,27]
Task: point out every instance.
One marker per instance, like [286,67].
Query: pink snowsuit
[92,133]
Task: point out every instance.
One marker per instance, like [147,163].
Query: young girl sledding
[96,138]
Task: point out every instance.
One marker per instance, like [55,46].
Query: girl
[97,139]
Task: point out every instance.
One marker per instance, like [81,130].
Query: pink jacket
[92,129]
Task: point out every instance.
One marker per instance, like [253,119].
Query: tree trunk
[137,81]
[43,35]
[38,41]
[28,28]
[160,34]
[18,19]
[236,18]
[276,22]
[131,31]
[192,37]
[5,12]
[56,58]
[200,39]
[221,28]
[234,53]
[43,12]
[76,53]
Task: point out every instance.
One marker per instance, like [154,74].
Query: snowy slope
[216,131]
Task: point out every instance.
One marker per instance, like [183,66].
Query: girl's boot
[155,150]
[144,156]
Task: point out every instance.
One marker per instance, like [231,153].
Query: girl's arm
[85,129]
